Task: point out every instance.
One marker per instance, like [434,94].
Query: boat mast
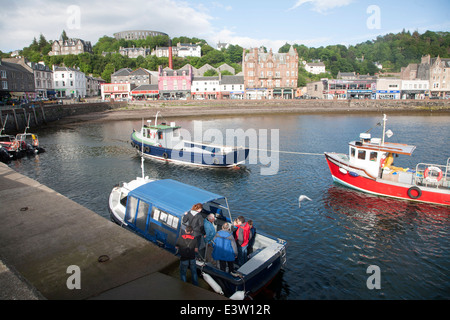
[384,128]
[156,119]
[142,148]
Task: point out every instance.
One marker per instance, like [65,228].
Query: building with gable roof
[269,75]
[175,84]
[70,46]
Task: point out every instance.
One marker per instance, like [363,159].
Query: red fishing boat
[369,168]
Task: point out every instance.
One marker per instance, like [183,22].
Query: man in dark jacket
[187,247]
[194,219]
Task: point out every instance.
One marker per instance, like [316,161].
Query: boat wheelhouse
[368,167]
[154,209]
[164,142]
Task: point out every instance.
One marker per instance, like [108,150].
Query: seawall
[16,119]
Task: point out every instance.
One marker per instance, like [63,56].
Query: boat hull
[231,159]
[355,178]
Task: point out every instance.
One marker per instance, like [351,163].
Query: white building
[388,88]
[315,68]
[232,87]
[69,82]
[205,88]
[415,89]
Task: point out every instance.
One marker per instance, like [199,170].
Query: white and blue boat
[154,209]
[164,142]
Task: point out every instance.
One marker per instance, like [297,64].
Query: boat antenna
[28,124]
[156,119]
[384,128]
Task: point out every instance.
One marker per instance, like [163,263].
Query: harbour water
[332,240]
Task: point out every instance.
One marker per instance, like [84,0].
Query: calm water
[331,240]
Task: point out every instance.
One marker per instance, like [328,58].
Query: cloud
[95,19]
[322,6]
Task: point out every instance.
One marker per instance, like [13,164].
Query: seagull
[301,198]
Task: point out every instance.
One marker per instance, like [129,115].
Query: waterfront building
[121,75]
[175,84]
[69,82]
[145,92]
[232,87]
[70,46]
[205,88]
[415,89]
[138,34]
[116,91]
[43,76]
[316,89]
[16,82]
[93,86]
[269,75]
[142,76]
[388,88]
[435,70]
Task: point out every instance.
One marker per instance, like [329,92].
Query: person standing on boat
[225,250]
[194,219]
[210,232]
[243,236]
[187,247]
[251,242]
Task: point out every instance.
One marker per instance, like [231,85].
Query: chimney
[170,55]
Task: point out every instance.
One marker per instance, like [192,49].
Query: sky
[248,23]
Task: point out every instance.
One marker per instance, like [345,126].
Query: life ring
[216,161]
[414,189]
[35,143]
[165,155]
[427,177]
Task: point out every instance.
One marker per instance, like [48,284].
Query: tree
[107,72]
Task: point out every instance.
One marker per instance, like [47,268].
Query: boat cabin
[165,135]
[372,154]
[155,209]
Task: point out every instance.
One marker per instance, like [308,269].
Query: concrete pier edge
[43,233]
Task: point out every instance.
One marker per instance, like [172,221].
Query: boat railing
[433,175]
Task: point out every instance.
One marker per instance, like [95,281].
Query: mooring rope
[291,152]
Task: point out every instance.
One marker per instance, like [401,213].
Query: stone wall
[15,119]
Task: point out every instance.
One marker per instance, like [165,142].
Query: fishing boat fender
[214,285]
[414,192]
[238,295]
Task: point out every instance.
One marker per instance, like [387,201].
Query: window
[362,154]
[4,85]
[131,209]
[352,152]
[373,156]
[141,217]
[165,218]
[3,74]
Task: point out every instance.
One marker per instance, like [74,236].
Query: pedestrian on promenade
[187,247]
[225,249]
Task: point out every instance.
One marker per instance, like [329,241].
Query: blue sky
[247,23]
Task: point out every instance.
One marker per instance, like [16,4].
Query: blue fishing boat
[164,142]
[154,209]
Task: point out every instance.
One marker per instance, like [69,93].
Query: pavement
[54,249]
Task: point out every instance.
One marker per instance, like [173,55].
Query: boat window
[373,156]
[160,135]
[141,218]
[352,152]
[165,218]
[362,154]
[131,209]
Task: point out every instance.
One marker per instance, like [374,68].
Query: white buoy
[214,285]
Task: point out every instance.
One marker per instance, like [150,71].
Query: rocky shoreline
[220,108]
